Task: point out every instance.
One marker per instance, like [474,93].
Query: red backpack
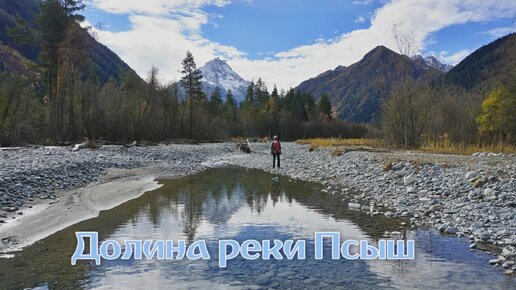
[276,147]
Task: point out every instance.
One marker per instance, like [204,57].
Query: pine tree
[71,7]
[230,110]
[215,104]
[325,107]
[310,106]
[55,18]
[261,94]
[191,82]
[249,100]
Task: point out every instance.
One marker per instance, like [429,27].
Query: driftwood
[135,143]
[180,141]
[140,144]
[244,146]
[86,144]
[366,149]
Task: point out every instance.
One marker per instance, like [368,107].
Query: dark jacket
[276,147]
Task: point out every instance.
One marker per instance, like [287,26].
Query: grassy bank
[439,148]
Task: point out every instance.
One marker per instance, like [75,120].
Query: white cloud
[153,7]
[363,2]
[162,31]
[360,20]
[454,58]
[501,31]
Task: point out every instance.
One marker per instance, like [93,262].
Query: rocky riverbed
[466,196]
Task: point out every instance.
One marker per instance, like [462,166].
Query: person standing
[276,151]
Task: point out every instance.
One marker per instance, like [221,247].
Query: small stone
[354,205]
[508,272]
[507,252]
[402,200]
[11,209]
[434,208]
[409,180]
[493,261]
[411,189]
[489,192]
[451,230]
[389,214]
[471,174]
[484,236]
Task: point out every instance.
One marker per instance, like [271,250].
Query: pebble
[471,174]
[354,205]
[411,189]
[451,230]
[409,180]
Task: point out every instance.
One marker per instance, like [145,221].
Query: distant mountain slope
[217,73]
[358,90]
[104,62]
[12,60]
[491,65]
[28,10]
[314,83]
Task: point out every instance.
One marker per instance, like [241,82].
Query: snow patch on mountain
[432,61]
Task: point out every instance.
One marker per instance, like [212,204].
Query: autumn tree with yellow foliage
[497,119]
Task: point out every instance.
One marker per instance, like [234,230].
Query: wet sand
[48,217]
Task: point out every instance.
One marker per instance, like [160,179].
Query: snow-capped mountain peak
[432,61]
[217,73]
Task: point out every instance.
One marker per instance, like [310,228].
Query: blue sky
[261,27]
[288,41]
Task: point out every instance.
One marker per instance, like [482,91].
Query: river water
[242,204]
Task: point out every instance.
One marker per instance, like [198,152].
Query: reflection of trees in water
[192,212]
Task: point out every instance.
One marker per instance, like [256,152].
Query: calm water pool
[240,204]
